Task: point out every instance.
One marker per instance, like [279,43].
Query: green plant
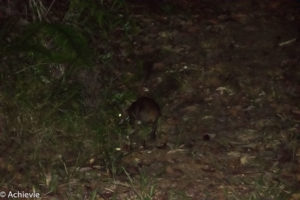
[43,101]
[93,15]
[50,43]
[143,188]
[262,189]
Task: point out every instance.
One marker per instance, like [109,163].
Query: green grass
[146,187]
[48,128]
[261,189]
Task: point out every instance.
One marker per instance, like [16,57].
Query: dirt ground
[227,75]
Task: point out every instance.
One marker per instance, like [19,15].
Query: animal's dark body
[146,111]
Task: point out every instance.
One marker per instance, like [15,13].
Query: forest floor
[227,77]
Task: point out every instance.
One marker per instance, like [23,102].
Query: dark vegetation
[226,75]
[59,97]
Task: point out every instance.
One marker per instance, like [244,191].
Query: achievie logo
[19,194]
[2,194]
